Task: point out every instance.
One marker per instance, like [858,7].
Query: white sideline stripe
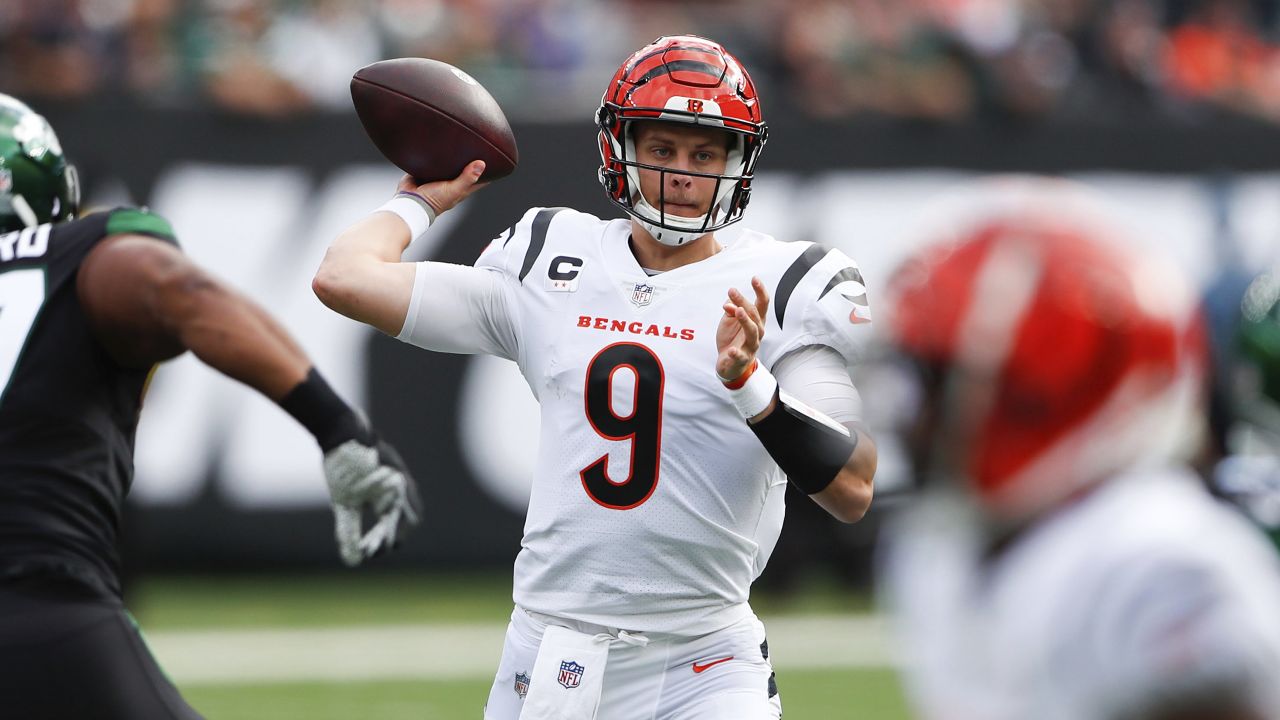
[451,652]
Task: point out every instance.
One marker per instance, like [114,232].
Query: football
[431,119]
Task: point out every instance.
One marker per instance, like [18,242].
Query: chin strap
[665,235]
[24,211]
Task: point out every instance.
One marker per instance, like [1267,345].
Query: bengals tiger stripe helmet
[1052,355]
[688,80]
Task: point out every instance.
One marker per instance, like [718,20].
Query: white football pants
[721,676]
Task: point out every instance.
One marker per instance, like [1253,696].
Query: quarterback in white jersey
[675,403]
[1062,565]
[654,506]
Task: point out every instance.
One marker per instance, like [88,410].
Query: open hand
[740,331]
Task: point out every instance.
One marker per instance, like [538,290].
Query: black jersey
[68,412]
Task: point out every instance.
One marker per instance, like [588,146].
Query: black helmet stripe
[664,50]
[692,65]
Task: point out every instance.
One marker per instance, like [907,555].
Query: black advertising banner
[225,480]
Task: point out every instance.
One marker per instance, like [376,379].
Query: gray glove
[363,476]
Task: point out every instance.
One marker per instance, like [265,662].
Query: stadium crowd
[933,61]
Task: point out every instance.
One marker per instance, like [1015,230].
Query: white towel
[567,676]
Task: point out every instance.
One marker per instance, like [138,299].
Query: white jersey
[1143,593]
[653,505]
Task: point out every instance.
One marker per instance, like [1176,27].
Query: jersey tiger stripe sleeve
[821,299]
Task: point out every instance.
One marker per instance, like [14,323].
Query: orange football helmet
[689,80]
[1054,357]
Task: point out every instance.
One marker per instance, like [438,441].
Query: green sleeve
[140,221]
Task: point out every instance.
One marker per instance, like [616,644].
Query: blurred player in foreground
[653,349]
[87,308]
[1062,562]
[1247,429]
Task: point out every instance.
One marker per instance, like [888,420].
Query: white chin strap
[668,236]
[24,211]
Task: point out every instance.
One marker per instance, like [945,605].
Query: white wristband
[413,210]
[755,394]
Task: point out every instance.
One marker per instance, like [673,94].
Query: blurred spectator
[319,43]
[875,56]
[50,50]
[459,32]
[275,58]
[233,50]
[1127,52]
[937,61]
[1215,53]
[152,64]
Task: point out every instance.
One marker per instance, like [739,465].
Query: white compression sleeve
[817,376]
[459,309]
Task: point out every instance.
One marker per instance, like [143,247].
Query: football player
[1062,561]
[682,380]
[88,306]
[1248,428]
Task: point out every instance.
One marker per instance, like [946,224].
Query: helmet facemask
[728,201]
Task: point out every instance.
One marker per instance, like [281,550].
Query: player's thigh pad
[63,658]
[703,685]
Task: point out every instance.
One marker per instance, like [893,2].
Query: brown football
[430,119]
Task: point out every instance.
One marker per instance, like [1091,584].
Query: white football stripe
[452,651]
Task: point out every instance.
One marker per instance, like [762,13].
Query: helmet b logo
[695,106]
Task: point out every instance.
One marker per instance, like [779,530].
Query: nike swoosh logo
[707,666]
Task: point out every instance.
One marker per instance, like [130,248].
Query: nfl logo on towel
[522,685]
[570,674]
[642,294]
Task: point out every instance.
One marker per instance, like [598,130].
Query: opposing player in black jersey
[87,308]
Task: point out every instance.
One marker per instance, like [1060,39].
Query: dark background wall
[134,146]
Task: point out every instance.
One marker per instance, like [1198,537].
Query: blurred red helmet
[1057,356]
[691,81]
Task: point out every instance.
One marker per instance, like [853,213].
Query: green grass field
[828,694]
[210,604]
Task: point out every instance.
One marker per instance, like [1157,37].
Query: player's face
[682,149]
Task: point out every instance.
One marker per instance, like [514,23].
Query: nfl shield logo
[642,294]
[570,674]
[522,684]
